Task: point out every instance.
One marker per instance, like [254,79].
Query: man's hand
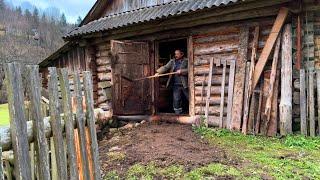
[179,71]
[156,74]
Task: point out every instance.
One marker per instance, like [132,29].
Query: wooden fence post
[88,91]
[68,115]
[18,122]
[311,103]
[208,93]
[34,92]
[318,98]
[80,119]
[56,126]
[230,93]
[303,103]
[286,82]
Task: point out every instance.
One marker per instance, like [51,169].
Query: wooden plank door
[131,61]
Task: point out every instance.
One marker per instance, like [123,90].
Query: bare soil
[162,143]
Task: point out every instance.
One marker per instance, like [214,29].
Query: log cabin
[244,57]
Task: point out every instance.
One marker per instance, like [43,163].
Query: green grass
[4,115]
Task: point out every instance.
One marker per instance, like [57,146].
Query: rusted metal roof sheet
[146,14]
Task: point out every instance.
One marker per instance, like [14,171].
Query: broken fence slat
[208,92]
[66,99]
[80,119]
[18,122]
[41,145]
[56,126]
[88,91]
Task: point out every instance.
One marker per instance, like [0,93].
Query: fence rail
[60,146]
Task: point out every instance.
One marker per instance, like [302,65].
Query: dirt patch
[162,143]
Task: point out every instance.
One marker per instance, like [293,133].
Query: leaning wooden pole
[286,82]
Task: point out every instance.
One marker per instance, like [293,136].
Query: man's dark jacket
[169,67]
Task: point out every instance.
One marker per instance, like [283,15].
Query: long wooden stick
[208,93]
[155,76]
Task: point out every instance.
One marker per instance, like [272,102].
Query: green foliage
[4,115]
[303,142]
[172,172]
[116,156]
[213,170]
[139,171]
[113,175]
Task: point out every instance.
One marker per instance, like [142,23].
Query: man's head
[178,54]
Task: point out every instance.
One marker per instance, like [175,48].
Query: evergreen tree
[63,20]
[2,5]
[35,18]
[28,15]
[19,11]
[79,20]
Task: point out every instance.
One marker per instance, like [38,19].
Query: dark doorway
[166,51]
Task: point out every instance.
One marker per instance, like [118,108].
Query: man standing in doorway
[179,81]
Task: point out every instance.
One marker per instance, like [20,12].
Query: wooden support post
[250,81]
[81,126]
[311,102]
[88,91]
[240,79]
[223,84]
[283,13]
[66,99]
[208,93]
[57,128]
[318,98]
[273,122]
[286,82]
[257,125]
[230,92]
[34,91]
[303,103]
[299,43]
[18,122]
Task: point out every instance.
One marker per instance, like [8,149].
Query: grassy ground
[293,157]
[4,115]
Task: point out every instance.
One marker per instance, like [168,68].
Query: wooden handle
[155,76]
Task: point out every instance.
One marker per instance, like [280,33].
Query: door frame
[155,82]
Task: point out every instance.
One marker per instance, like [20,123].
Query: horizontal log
[216,90]
[204,59]
[204,70]
[5,137]
[105,76]
[213,48]
[103,54]
[103,61]
[213,111]
[104,84]
[214,100]
[104,68]
[220,38]
[216,80]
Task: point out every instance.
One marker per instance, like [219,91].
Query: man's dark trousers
[178,92]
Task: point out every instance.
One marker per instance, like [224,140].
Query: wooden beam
[286,82]
[223,84]
[311,102]
[283,13]
[240,78]
[230,93]
[318,98]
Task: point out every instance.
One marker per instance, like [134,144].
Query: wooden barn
[245,60]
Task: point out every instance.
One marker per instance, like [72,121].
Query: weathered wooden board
[230,93]
[240,79]
[208,92]
[56,126]
[285,106]
[34,91]
[18,121]
[303,103]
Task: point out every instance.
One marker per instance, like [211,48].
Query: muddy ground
[162,143]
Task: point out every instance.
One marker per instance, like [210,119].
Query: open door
[131,61]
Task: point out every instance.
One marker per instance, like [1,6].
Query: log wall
[220,45]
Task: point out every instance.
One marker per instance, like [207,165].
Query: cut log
[240,78]
[283,13]
[104,76]
[286,83]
